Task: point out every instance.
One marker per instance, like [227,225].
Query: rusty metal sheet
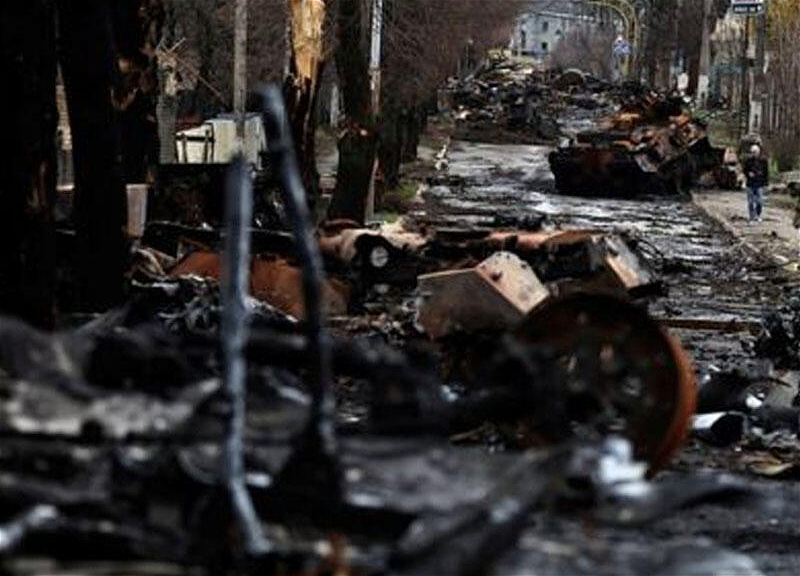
[622,269]
[626,268]
[532,241]
[652,148]
[274,281]
[281,284]
[495,295]
[199,263]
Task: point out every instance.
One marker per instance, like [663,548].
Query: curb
[723,222]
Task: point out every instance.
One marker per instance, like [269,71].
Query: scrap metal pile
[757,408]
[512,102]
[614,140]
[203,427]
[650,147]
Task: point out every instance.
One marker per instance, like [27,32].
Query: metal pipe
[320,426]
[37,518]
[235,282]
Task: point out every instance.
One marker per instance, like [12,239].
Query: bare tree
[358,142]
[672,35]
[306,30]
[204,31]
[434,40]
[425,41]
[783,84]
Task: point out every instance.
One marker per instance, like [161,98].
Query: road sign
[747,6]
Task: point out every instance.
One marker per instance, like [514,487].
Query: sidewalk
[775,236]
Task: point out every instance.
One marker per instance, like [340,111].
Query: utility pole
[750,110]
[677,63]
[240,67]
[375,90]
[375,55]
[744,111]
[703,82]
[756,116]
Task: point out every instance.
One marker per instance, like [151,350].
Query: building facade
[543,25]
[538,33]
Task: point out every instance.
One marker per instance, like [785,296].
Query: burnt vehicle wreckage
[439,398]
[196,424]
[640,141]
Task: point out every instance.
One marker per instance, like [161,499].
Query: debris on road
[274,281]
[641,142]
[617,356]
[706,288]
[538,303]
[494,295]
[651,147]
[421,397]
[505,102]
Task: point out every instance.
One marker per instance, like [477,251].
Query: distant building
[539,30]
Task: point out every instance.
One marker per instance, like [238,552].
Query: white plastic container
[137,209]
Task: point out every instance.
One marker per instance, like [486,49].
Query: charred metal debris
[356,400]
[612,140]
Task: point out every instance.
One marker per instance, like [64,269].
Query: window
[544,46]
[545,26]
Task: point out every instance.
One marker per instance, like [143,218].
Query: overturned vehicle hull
[627,158]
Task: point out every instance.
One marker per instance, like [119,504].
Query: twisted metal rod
[235,282]
[320,426]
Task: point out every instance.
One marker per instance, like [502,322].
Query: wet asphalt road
[708,274]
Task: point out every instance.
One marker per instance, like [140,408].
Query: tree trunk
[306,19]
[136,28]
[167,114]
[356,160]
[358,144]
[89,67]
[694,73]
[416,126]
[240,66]
[301,97]
[28,171]
[390,147]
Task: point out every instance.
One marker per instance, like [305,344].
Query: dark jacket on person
[756,170]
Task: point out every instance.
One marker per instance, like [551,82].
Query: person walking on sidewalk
[756,170]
